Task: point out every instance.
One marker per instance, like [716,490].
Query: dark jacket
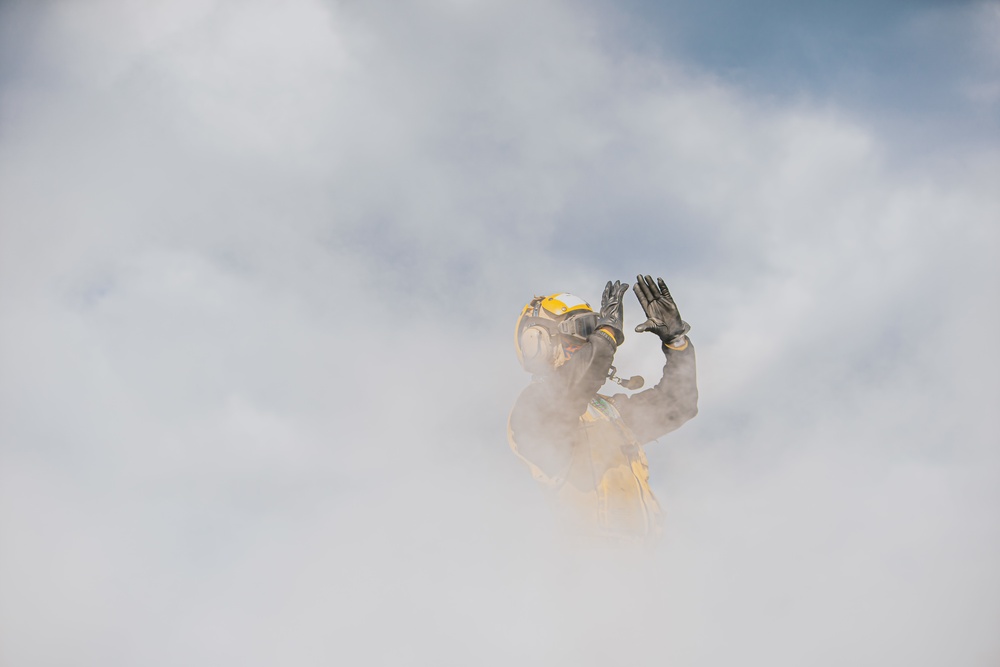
[587,448]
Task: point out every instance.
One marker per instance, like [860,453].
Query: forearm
[576,382]
[679,384]
[545,417]
[666,406]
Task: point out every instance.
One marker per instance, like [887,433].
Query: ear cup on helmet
[536,334]
[536,349]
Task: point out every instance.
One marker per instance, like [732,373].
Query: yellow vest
[605,490]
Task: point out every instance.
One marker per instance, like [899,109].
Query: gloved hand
[612,309]
[663,317]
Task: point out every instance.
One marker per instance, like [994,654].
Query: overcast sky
[260,264]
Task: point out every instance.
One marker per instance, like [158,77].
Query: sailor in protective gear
[586,447]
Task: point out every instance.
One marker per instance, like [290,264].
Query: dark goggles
[578,325]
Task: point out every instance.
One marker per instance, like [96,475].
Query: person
[586,448]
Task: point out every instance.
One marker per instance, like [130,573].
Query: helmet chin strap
[634,382]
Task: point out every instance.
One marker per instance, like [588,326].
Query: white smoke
[259,269]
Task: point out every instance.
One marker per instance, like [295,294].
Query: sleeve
[545,417]
[665,407]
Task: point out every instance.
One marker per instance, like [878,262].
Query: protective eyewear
[578,325]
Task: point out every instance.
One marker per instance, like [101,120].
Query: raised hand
[662,315]
[612,309]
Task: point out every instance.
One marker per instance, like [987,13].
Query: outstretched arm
[674,399]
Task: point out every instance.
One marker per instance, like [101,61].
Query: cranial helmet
[545,323]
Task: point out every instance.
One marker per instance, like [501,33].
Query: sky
[260,264]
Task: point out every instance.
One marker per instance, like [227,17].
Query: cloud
[261,263]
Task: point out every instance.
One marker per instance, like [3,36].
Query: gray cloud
[259,269]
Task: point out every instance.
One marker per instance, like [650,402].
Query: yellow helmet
[543,321]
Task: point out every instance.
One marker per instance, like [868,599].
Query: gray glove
[663,317]
[612,309]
